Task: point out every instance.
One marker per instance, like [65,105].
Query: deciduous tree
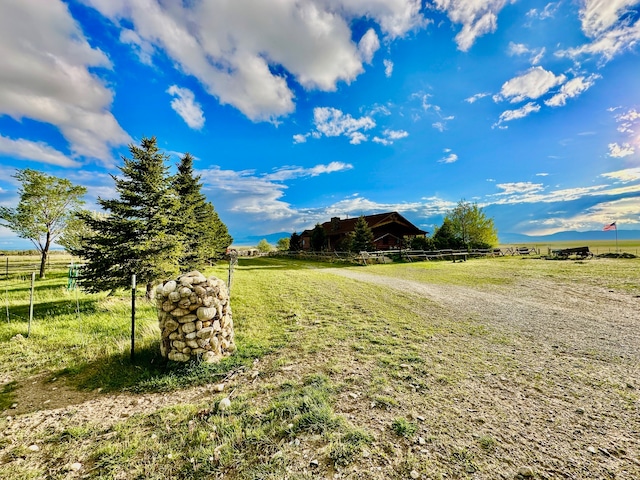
[471,226]
[46,205]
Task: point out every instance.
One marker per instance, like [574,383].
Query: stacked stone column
[194,314]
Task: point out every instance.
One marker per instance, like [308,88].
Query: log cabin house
[388,229]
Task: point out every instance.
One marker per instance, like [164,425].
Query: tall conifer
[139,234]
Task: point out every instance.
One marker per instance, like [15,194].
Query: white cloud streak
[571,89]
[611,30]
[36,151]
[185,105]
[388,67]
[509,115]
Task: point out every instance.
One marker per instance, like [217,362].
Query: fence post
[33,279]
[133,314]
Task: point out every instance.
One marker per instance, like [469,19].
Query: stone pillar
[194,313]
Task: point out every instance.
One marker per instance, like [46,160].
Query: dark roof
[338,226]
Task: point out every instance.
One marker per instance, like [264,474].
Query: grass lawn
[333,378]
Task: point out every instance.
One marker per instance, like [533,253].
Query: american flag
[611,226]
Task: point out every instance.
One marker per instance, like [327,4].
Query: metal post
[33,280]
[133,314]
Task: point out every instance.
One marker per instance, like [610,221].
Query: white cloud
[440,126]
[261,195]
[299,138]
[533,84]
[390,136]
[572,88]
[185,105]
[476,97]
[476,16]
[37,151]
[289,173]
[607,23]
[522,112]
[536,54]
[233,47]
[143,49]
[368,45]
[624,176]
[451,158]
[621,151]
[598,16]
[332,122]
[547,12]
[519,188]
[388,67]
[45,76]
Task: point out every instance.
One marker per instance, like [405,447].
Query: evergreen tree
[205,237]
[295,242]
[318,238]
[139,235]
[444,237]
[362,240]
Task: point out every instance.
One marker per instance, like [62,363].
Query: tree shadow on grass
[149,372]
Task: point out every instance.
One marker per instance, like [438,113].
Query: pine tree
[295,242]
[205,236]
[362,236]
[139,235]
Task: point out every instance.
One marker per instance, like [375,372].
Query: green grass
[346,368]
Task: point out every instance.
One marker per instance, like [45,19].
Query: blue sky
[298,111]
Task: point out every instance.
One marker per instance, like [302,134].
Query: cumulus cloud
[477,17]
[332,122]
[185,105]
[47,75]
[36,151]
[246,52]
[531,85]
[570,89]
[300,138]
[621,151]
[368,45]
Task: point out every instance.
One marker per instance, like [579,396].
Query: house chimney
[335,223]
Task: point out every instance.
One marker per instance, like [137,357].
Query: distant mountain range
[252,240]
[509,238]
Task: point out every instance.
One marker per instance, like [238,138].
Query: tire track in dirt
[583,319]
